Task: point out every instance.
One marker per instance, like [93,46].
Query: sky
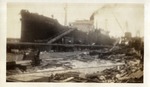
[116,18]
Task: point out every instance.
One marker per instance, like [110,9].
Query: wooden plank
[24,62]
[61,35]
[68,79]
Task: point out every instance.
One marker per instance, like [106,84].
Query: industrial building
[83,25]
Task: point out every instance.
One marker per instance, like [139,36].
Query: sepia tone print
[75,42]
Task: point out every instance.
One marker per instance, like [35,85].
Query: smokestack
[106,24]
[65,22]
[92,17]
[52,16]
[126,26]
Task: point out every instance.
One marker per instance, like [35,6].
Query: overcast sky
[129,16]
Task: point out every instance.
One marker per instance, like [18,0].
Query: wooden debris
[25,62]
[68,79]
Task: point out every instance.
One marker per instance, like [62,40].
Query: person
[142,53]
[36,58]
[33,55]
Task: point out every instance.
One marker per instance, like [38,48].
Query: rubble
[107,76]
[79,64]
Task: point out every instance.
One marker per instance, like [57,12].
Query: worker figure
[36,60]
[142,53]
[33,55]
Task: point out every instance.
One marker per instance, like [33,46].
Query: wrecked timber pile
[122,64]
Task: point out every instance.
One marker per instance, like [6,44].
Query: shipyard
[80,51]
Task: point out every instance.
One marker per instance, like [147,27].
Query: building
[13,40]
[83,25]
